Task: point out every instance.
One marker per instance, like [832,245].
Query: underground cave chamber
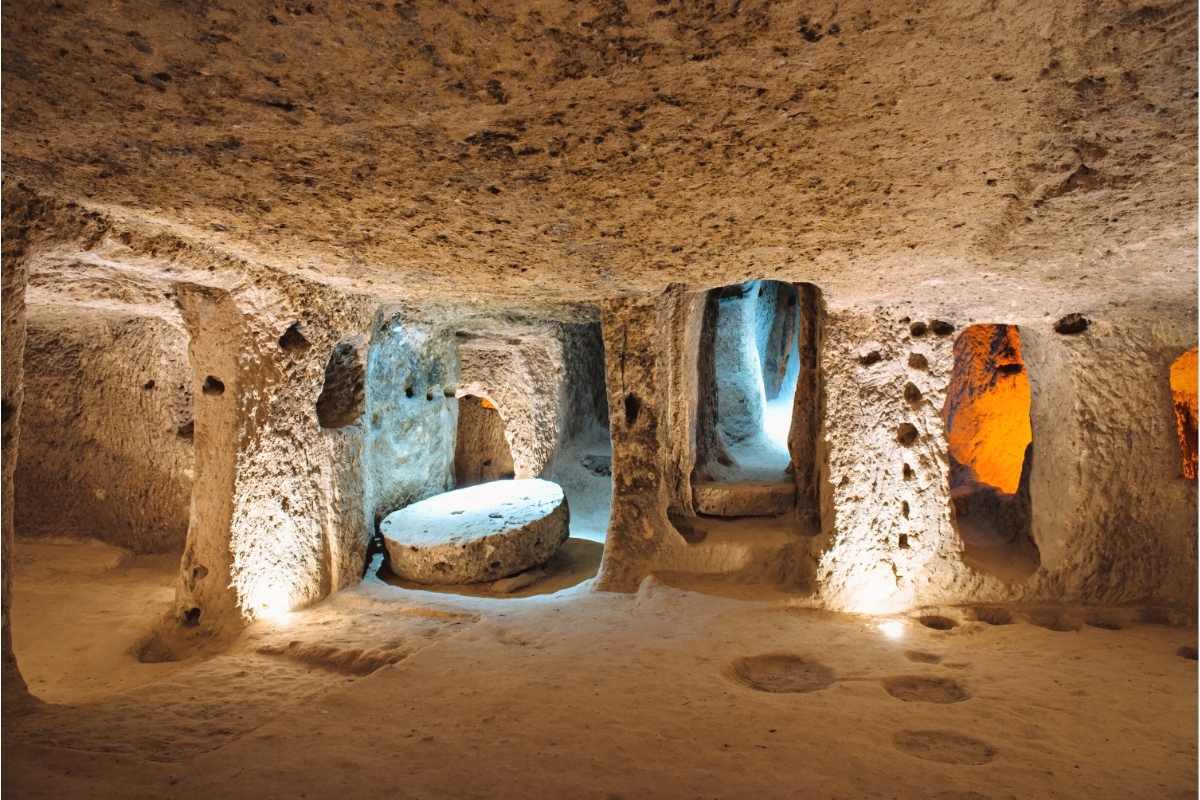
[599,400]
[990,447]
[512,456]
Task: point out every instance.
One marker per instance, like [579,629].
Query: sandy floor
[81,610]
[397,693]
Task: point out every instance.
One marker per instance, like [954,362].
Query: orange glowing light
[1183,394]
[987,406]
[485,403]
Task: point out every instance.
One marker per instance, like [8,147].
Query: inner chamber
[481,450]
[1183,397]
[991,447]
[749,368]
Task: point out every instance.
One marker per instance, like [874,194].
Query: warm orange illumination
[485,403]
[1183,393]
[987,407]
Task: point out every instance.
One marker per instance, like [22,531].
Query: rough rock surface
[1104,535]
[290,175]
[480,450]
[108,427]
[745,498]
[480,533]
[545,378]
[13,278]
[585,150]
[277,519]
[411,414]
[343,393]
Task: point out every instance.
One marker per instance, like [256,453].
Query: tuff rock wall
[546,379]
[13,274]
[277,508]
[1112,515]
[106,446]
[411,414]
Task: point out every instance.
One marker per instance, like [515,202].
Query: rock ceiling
[1007,158]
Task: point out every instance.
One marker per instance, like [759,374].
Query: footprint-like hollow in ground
[1104,623]
[937,622]
[947,747]
[1052,619]
[994,615]
[782,672]
[922,657]
[921,689]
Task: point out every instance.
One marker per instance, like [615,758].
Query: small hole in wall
[1072,323]
[341,400]
[148,385]
[293,340]
[191,617]
[633,407]
[187,430]
[912,394]
[429,395]
[902,541]
[213,386]
[918,361]
[904,508]
[918,328]
[906,434]
[408,391]
[908,472]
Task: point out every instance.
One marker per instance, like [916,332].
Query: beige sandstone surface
[260,259]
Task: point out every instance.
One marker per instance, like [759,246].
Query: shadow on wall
[991,446]
[1183,396]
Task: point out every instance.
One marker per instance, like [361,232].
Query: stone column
[204,594]
[887,541]
[276,514]
[634,374]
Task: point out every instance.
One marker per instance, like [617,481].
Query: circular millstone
[481,533]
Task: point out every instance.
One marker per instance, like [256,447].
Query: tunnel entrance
[481,451]
[1183,398]
[991,445]
[749,365]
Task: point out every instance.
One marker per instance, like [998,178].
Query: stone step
[766,551]
[745,498]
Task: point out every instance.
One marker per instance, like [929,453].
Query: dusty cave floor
[582,694]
